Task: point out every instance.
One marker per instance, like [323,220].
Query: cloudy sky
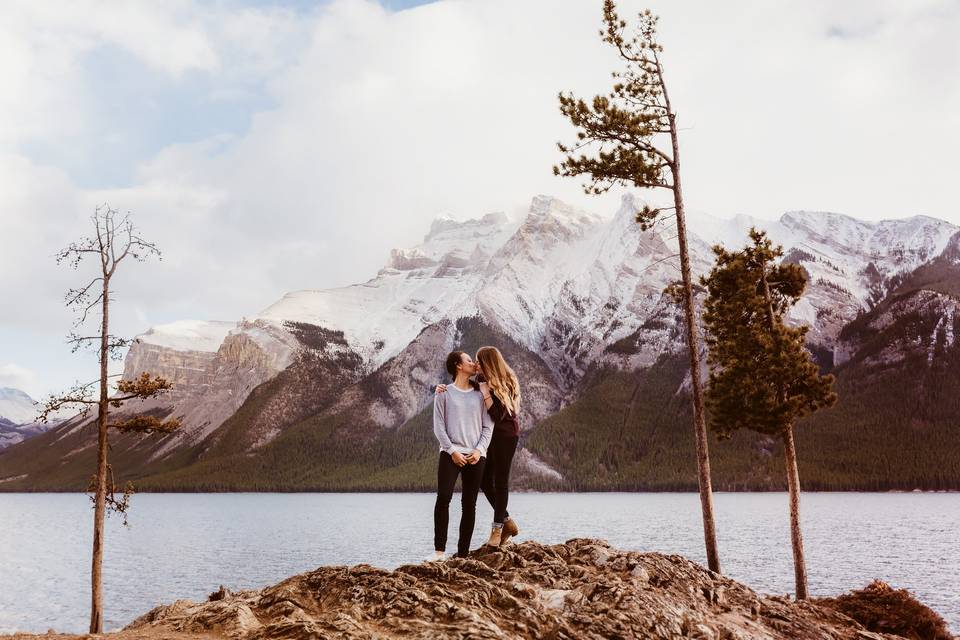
[274,146]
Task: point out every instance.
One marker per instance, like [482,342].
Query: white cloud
[369,123]
[42,45]
[17,377]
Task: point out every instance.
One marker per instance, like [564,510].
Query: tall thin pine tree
[634,132]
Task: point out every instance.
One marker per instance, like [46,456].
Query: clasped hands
[471,458]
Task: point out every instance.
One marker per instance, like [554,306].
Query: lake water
[186,545]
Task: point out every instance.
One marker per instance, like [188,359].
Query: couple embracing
[477,424]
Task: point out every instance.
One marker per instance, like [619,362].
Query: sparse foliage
[623,127]
[115,239]
[632,136]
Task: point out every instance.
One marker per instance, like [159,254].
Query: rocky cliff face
[212,374]
[583,589]
[916,317]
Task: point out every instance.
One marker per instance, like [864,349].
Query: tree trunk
[96,569]
[796,538]
[693,347]
[790,459]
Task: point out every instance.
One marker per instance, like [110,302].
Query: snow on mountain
[188,335]
[565,284]
[210,379]
[622,286]
[419,287]
[562,267]
[17,415]
[919,322]
[894,246]
[215,365]
[523,282]
[850,262]
[16,406]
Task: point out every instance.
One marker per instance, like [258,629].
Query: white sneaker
[436,556]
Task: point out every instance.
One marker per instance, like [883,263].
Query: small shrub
[882,609]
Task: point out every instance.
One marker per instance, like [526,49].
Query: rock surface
[134,634]
[581,589]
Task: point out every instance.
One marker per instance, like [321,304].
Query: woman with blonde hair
[501,396]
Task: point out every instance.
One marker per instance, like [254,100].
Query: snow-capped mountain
[563,283]
[919,318]
[564,291]
[17,414]
[418,287]
[16,406]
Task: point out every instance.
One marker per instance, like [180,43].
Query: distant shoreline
[530,491]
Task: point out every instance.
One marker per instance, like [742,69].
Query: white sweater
[460,421]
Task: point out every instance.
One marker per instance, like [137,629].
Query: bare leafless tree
[115,239]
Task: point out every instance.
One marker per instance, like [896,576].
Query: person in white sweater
[463,428]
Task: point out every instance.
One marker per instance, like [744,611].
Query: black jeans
[496,474]
[447,472]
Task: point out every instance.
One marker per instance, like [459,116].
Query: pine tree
[762,376]
[634,132]
[114,240]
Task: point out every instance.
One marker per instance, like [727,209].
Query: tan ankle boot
[510,529]
[494,540]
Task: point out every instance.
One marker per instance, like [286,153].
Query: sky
[268,147]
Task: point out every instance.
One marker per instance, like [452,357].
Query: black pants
[496,474]
[447,472]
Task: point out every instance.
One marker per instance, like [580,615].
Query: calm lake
[186,545]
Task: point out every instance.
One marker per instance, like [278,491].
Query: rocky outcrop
[209,385]
[581,589]
[916,323]
[403,385]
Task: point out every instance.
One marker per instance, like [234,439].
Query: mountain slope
[327,389]
[894,426]
[18,413]
[16,406]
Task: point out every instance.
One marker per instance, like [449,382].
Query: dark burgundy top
[503,422]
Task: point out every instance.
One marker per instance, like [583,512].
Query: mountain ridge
[18,413]
[573,296]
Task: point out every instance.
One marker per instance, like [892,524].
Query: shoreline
[522,491]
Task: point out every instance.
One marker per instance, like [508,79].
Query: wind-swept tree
[762,376]
[114,240]
[633,134]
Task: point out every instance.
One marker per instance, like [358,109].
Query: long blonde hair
[503,381]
